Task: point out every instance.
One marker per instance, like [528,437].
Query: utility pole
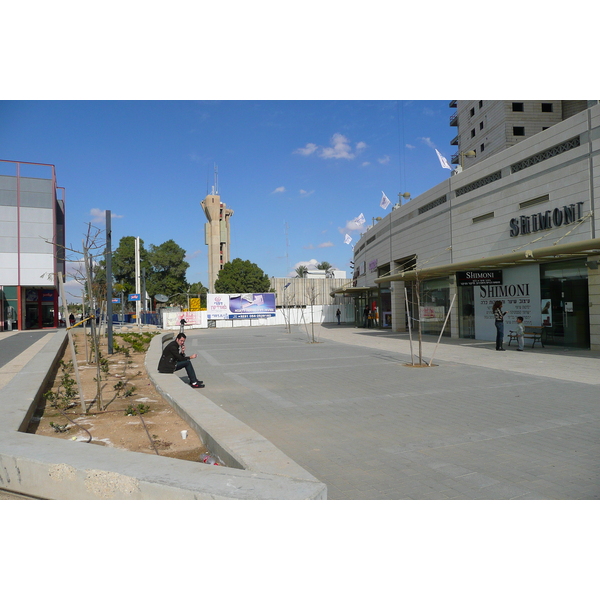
[109,290]
[138,304]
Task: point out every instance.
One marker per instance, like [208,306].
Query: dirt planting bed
[127,411]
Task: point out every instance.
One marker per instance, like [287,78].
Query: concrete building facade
[485,127]
[525,218]
[217,236]
[32,240]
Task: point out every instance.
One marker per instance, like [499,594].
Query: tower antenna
[216,185]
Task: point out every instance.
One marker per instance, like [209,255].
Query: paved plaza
[342,403]
[479,424]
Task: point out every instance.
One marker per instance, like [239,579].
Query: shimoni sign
[546,220]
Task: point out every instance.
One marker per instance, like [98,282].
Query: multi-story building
[217,235]
[32,245]
[486,127]
[520,226]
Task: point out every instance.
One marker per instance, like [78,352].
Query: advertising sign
[134,297]
[479,277]
[520,295]
[240,306]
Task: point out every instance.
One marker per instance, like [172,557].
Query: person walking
[338,314]
[173,358]
[499,322]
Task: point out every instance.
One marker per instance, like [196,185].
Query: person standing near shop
[499,322]
[366,314]
[520,334]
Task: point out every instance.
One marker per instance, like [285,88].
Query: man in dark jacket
[173,358]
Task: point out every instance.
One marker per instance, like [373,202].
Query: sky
[295,173]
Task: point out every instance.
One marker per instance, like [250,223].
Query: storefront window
[565,303]
[435,302]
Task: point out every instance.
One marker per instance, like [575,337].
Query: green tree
[324,266]
[197,289]
[301,271]
[123,263]
[166,274]
[241,276]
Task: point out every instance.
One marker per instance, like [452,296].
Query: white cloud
[427,141]
[305,193]
[384,160]
[365,164]
[307,150]
[352,226]
[99,216]
[193,255]
[326,245]
[410,146]
[278,190]
[340,148]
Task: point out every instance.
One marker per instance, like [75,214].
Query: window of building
[481,104]
[481,126]
[472,133]
[482,148]
[518,130]
[547,107]
[517,107]
[472,112]
[485,217]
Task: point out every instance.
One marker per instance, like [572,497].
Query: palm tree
[327,267]
[301,271]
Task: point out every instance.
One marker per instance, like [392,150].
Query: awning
[353,290]
[523,257]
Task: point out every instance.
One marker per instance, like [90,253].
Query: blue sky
[296,173]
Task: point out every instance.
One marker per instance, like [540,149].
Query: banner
[240,306]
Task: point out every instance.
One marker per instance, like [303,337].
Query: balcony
[454,120]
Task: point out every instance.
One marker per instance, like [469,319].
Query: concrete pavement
[480,425]
[345,407]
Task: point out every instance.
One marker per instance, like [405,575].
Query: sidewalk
[480,425]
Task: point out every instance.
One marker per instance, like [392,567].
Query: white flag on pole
[347,239]
[360,219]
[385,202]
[443,161]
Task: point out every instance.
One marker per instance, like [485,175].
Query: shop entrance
[565,303]
[40,308]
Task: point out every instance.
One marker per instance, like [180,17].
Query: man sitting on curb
[173,358]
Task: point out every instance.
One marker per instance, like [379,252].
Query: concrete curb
[49,468]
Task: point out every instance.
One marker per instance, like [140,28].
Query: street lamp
[406,196]
[469,154]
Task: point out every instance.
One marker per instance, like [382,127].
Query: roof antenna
[215,188]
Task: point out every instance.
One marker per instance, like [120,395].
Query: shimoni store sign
[548,219]
[464,278]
